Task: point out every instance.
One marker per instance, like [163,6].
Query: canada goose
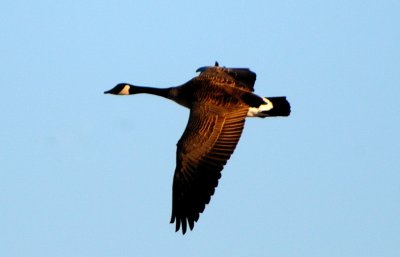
[219,100]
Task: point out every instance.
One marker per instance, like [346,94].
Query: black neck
[164,92]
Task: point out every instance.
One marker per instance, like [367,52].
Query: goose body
[219,100]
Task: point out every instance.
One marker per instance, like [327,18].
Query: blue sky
[85,174]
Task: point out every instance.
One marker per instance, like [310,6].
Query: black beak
[107,92]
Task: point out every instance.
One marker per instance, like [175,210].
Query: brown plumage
[219,100]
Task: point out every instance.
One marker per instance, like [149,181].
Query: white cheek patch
[125,90]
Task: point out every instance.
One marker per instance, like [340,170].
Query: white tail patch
[258,111]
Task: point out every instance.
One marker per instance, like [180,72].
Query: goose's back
[217,86]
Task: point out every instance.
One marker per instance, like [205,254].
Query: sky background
[88,174]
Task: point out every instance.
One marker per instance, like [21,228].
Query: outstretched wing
[207,143]
[243,78]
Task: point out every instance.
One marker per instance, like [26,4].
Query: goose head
[121,89]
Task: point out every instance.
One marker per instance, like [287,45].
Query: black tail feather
[281,107]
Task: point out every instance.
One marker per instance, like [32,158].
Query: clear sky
[88,174]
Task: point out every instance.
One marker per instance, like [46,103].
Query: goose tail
[272,107]
[280,107]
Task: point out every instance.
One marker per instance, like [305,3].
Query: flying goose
[219,100]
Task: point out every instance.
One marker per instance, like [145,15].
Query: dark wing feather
[207,143]
[243,78]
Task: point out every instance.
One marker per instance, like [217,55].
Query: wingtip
[191,224]
[182,224]
[184,227]
[204,68]
[201,69]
